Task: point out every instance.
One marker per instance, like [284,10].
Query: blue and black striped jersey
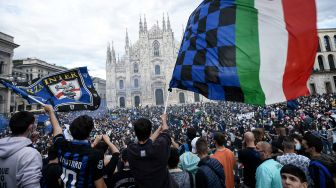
[81,164]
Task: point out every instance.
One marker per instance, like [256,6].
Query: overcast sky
[75,33]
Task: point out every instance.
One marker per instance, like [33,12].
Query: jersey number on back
[69,175]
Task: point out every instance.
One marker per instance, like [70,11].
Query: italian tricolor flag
[251,51]
[276,43]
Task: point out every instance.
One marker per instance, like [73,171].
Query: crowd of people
[217,144]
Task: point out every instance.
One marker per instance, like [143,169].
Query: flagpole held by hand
[33,98]
[165,109]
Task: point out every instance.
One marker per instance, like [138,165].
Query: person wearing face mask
[20,163]
[268,173]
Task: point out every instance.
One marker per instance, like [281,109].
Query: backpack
[320,175]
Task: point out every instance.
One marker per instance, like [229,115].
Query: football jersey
[81,164]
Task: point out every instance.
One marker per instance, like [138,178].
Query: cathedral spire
[145,24]
[140,26]
[168,23]
[126,39]
[127,43]
[108,55]
[113,56]
[163,23]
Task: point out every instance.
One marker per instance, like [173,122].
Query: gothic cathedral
[142,75]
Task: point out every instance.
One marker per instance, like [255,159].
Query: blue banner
[69,90]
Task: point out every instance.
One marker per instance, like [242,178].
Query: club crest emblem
[66,89]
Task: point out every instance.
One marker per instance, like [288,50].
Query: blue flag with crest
[68,90]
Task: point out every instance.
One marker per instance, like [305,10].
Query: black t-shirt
[81,164]
[149,161]
[250,158]
[51,174]
[123,179]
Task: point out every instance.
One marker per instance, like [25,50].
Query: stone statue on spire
[145,24]
[168,23]
[140,26]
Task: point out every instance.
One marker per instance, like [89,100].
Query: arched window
[196,97]
[136,68]
[159,97]
[327,43]
[181,97]
[136,83]
[320,61]
[331,62]
[318,45]
[137,101]
[157,70]
[121,84]
[156,48]
[122,102]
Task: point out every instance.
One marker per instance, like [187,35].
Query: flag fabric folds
[251,51]
[68,90]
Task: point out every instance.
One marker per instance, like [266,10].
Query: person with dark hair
[322,166]
[182,178]
[210,171]
[20,163]
[268,173]
[82,166]
[52,171]
[293,177]
[124,177]
[225,157]
[190,135]
[148,158]
[290,157]
[102,143]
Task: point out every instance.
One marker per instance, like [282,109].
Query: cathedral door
[182,98]
[136,101]
[159,97]
[122,102]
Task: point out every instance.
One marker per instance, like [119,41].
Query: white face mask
[297,147]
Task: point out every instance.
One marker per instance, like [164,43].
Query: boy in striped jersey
[82,166]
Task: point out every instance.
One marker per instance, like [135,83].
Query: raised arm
[54,122]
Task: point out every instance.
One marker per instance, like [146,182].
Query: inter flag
[251,51]
[68,90]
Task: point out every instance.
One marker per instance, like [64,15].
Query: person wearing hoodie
[189,161]
[181,177]
[20,163]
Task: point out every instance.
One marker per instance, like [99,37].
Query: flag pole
[165,109]
[33,98]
